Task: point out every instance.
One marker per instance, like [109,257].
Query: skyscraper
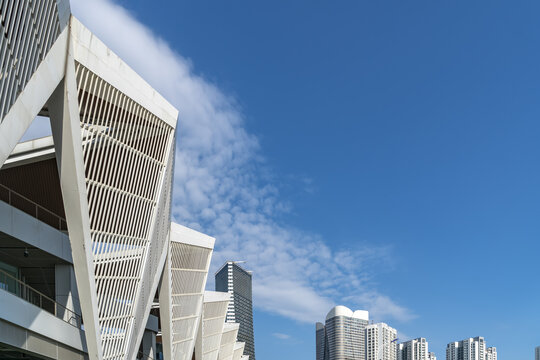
[343,335]
[381,342]
[537,353]
[416,349]
[468,349]
[236,281]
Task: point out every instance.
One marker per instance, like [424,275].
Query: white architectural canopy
[228,340]
[211,326]
[182,289]
[113,140]
[238,350]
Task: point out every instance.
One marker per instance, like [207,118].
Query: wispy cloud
[218,188]
[281,336]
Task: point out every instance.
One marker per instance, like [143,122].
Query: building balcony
[34,326]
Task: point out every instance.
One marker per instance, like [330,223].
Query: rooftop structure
[343,335]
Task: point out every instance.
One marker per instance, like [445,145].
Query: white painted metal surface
[113,139]
[238,350]
[228,339]
[211,327]
[29,29]
[183,283]
[128,161]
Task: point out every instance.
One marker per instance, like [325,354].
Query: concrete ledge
[38,325]
[24,227]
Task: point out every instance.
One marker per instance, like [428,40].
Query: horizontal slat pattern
[189,266]
[128,156]
[28,31]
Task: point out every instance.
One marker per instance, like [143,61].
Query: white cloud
[218,188]
[281,336]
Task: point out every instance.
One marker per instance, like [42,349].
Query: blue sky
[380,155]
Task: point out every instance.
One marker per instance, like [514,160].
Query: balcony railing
[32,208]
[18,288]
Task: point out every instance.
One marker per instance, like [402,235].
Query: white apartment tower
[431,356]
[416,349]
[343,335]
[491,353]
[381,342]
[469,349]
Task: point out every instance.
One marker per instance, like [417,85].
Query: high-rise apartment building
[343,336]
[431,356]
[537,353]
[468,349]
[235,280]
[491,353]
[416,349]
[381,342]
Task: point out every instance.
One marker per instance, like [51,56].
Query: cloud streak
[281,336]
[219,189]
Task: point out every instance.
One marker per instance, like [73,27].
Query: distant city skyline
[470,349]
[347,334]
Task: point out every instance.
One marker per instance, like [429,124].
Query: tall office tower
[416,349]
[381,342]
[236,281]
[468,349]
[320,340]
[491,353]
[537,353]
[343,336]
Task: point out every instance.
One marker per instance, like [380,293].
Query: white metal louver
[211,326]
[238,350]
[128,159]
[182,290]
[114,142]
[28,31]
[228,339]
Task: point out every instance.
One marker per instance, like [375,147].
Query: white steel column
[165,306]
[65,125]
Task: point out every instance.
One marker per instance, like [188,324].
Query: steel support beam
[65,125]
